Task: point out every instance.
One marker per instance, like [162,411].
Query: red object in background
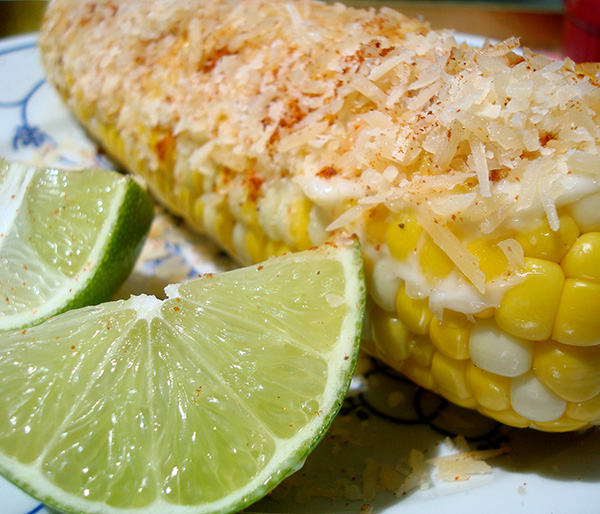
[581,37]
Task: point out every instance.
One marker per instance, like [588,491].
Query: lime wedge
[201,402]
[67,239]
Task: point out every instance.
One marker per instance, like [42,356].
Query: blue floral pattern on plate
[384,416]
[25,134]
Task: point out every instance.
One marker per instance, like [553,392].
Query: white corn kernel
[498,352]
[533,400]
[239,243]
[317,221]
[586,213]
[385,284]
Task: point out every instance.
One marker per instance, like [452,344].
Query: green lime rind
[122,248]
[297,459]
[74,364]
[70,238]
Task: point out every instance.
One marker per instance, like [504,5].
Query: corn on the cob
[470,175]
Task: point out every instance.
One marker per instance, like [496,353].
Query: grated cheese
[514,253]
[464,260]
[479,163]
[461,465]
[471,139]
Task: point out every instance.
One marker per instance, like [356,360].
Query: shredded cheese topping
[353,108]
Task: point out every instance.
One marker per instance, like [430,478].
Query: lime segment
[199,403]
[67,239]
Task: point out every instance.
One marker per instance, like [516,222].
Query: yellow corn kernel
[451,335]
[86,110]
[184,200]
[507,417]
[376,224]
[420,375]
[489,390]
[414,312]
[224,223]
[492,259]
[486,313]
[584,411]
[197,180]
[572,372]
[197,212]
[583,258]
[338,208]
[545,243]
[403,235]
[256,242]
[578,315]
[528,309]
[273,248]
[434,261]
[467,403]
[165,184]
[421,350]
[249,214]
[277,248]
[450,376]
[114,140]
[298,224]
[369,266]
[562,424]
[391,336]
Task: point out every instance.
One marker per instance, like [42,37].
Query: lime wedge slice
[67,239]
[201,402]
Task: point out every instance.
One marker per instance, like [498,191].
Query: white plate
[384,416]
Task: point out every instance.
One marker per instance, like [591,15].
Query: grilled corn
[471,175]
